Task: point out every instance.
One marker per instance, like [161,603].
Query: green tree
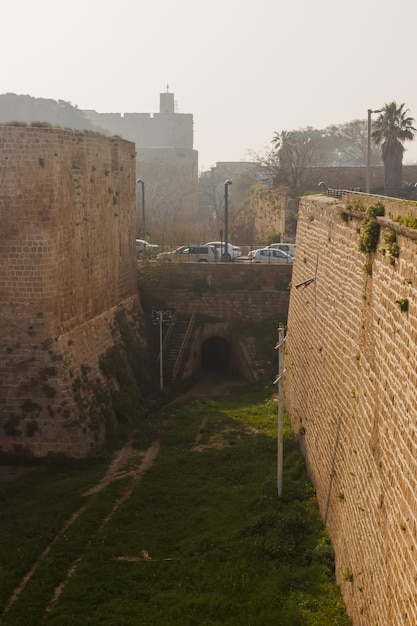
[392,127]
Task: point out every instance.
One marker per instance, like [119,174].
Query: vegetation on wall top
[368,240]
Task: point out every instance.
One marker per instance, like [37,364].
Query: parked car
[233,252]
[193,253]
[286,247]
[270,255]
[143,246]
[252,252]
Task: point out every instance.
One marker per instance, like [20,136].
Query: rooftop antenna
[167,88]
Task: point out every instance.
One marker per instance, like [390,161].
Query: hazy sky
[243,69]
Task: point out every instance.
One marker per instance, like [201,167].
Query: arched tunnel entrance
[214,349]
[215,355]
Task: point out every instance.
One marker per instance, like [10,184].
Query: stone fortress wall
[351,390]
[164,129]
[68,260]
[68,266]
[224,291]
[166,160]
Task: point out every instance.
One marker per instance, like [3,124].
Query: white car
[270,255]
[252,252]
[233,252]
[143,246]
[286,247]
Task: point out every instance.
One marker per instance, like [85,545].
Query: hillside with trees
[24,108]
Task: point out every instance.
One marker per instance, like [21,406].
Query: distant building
[165,158]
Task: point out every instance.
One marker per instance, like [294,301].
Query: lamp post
[226,256]
[161,317]
[280,427]
[139,181]
[368,152]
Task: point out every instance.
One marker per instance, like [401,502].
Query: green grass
[208,539]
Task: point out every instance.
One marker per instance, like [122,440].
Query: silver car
[193,253]
[270,255]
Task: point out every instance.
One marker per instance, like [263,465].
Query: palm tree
[390,129]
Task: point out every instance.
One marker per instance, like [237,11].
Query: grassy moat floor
[182,525]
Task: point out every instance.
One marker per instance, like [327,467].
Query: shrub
[403,304]
[354,205]
[409,220]
[390,238]
[368,240]
[376,209]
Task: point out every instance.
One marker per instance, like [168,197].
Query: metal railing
[181,352]
[410,194]
[339,193]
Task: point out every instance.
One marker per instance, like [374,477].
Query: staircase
[174,352]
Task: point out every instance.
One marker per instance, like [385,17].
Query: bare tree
[171,193]
[269,164]
[349,143]
[211,190]
[295,151]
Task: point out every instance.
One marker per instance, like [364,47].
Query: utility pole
[226,256]
[139,181]
[368,154]
[278,381]
[161,317]
[368,150]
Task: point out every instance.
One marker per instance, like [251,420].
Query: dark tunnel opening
[215,355]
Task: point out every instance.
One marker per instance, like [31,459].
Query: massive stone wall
[68,261]
[225,291]
[351,391]
[274,213]
[166,160]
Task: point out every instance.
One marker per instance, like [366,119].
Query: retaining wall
[351,391]
[224,291]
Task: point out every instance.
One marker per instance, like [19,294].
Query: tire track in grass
[207,389]
[147,461]
[113,473]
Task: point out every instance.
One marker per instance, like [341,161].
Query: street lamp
[161,317]
[368,152]
[139,181]
[280,427]
[226,256]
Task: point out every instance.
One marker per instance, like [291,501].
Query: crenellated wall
[67,263]
[351,391]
